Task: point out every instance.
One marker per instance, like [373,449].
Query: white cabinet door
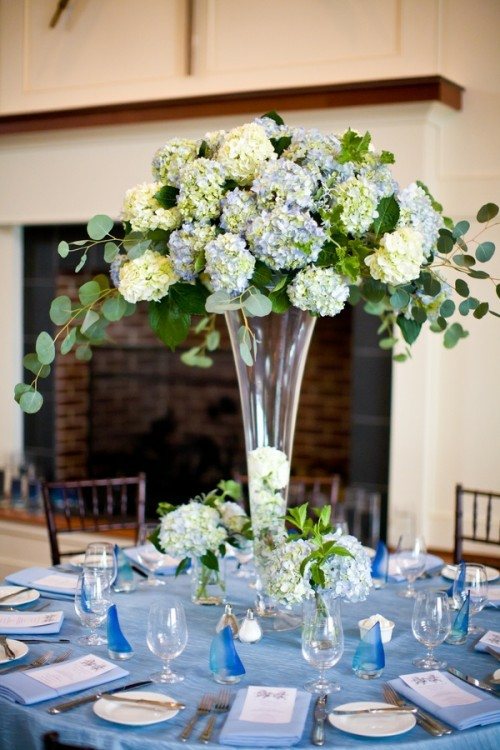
[100,52]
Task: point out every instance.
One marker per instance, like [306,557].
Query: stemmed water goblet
[475,584]
[409,558]
[149,556]
[322,639]
[92,601]
[167,636]
[431,624]
[100,556]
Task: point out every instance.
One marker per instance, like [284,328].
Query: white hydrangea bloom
[185,244]
[285,238]
[417,212]
[283,183]
[349,577]
[143,211]
[271,127]
[229,263]
[358,198]
[314,151]
[232,515]
[170,158]
[146,278]
[191,530]
[320,290]
[201,190]
[213,140]
[244,152]
[283,579]
[239,207]
[270,465]
[398,258]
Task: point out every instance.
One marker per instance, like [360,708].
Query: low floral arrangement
[261,218]
[317,558]
[203,527]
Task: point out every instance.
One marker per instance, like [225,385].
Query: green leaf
[464,308]
[45,348]
[245,346]
[60,310]
[446,242]
[280,300]
[373,290]
[138,249]
[167,196]
[274,116]
[435,205]
[498,290]
[89,293]
[68,342]
[99,226]
[432,285]
[257,304]
[114,308]
[479,274]
[354,294]
[262,275]
[481,310]
[462,288]
[354,147]
[453,335]
[461,228]
[388,215]
[81,262]
[83,353]
[399,299]
[447,308]
[203,151]
[485,251]
[281,144]
[418,314]
[190,298]
[192,358]
[464,261]
[210,560]
[63,249]
[111,250]
[31,401]
[386,157]
[400,357]
[487,212]
[409,328]
[33,364]
[441,323]
[170,324]
[213,340]
[387,343]
[19,389]
[91,317]
[183,565]
[219,302]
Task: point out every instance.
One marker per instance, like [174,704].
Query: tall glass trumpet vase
[269,394]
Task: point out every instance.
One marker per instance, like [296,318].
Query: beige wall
[445,405]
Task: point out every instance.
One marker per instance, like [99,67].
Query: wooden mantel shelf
[359,93]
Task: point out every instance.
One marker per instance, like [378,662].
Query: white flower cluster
[169,160]
[146,278]
[244,151]
[320,290]
[229,263]
[417,212]
[349,577]
[268,475]
[191,530]
[398,258]
[285,238]
[201,190]
[284,581]
[186,244]
[144,212]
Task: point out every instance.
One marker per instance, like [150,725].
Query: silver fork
[9,653]
[426,721]
[203,708]
[40,661]
[62,657]
[220,706]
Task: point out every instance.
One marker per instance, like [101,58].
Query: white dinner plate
[449,572]
[24,597]
[372,725]
[135,715]
[76,561]
[20,650]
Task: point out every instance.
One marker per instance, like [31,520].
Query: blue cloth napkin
[485,711]
[255,734]
[30,576]
[432,563]
[165,570]
[380,563]
[50,629]
[20,687]
[481,646]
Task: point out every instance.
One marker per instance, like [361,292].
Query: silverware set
[220,706]
[40,661]
[203,708]
[425,720]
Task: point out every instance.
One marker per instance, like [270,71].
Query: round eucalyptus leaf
[114,308]
[246,354]
[399,299]
[68,342]
[461,228]
[111,250]
[447,308]
[213,340]
[485,251]
[89,292]
[418,314]
[81,262]
[453,335]
[441,322]
[464,308]
[464,261]
[257,304]
[63,249]
[400,357]
[91,317]
[445,243]
[481,310]
[83,353]
[462,288]
[33,364]
[60,310]
[99,226]
[487,212]
[387,343]
[31,401]
[19,389]
[45,348]
[478,274]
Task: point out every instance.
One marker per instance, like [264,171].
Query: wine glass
[167,636]
[431,624]
[322,639]
[100,556]
[409,559]
[92,601]
[475,583]
[149,556]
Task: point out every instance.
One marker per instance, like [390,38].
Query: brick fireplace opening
[136,407]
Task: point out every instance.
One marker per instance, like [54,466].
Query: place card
[58,581]
[436,687]
[79,670]
[491,638]
[29,619]
[265,705]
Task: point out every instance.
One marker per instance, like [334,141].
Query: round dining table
[276,660]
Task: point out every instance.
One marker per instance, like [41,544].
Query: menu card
[267,705]
[491,639]
[436,687]
[58,581]
[24,620]
[60,675]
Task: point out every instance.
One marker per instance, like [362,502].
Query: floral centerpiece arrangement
[199,531]
[316,558]
[260,219]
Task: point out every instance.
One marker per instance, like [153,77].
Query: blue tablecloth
[276,660]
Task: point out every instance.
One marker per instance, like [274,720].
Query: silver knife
[473,681]
[68,705]
[388,710]
[320,714]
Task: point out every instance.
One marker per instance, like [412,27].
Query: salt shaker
[250,630]
[228,619]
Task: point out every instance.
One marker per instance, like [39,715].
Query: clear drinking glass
[92,601]
[100,556]
[167,636]
[431,624]
[409,559]
[149,556]
[476,582]
[322,639]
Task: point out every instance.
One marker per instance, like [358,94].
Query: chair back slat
[477,519]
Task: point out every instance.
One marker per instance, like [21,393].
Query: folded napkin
[261,734]
[60,679]
[30,623]
[485,711]
[432,563]
[168,569]
[48,582]
[490,639]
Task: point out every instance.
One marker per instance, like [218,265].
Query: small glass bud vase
[208,586]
